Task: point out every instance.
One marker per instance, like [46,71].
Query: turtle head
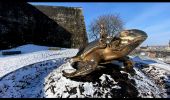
[132,37]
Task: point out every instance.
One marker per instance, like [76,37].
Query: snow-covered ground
[33,72]
[29,48]
[157,71]
[31,54]
[152,62]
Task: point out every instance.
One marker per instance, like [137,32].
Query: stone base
[108,82]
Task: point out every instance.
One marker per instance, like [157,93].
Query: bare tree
[106,24]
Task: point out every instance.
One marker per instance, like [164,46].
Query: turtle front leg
[88,67]
[75,59]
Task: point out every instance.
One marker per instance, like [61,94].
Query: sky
[153,18]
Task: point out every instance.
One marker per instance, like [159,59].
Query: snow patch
[12,63]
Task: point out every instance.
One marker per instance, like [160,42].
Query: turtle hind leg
[88,67]
[129,64]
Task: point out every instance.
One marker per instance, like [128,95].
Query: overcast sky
[153,18]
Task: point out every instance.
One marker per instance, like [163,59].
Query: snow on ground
[57,86]
[30,74]
[23,75]
[27,82]
[29,48]
[14,62]
[45,80]
[146,87]
[157,71]
[151,62]
[38,81]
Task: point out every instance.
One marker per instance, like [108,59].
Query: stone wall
[22,23]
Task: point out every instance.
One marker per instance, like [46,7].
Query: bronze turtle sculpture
[106,50]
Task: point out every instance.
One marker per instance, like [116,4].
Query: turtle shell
[90,47]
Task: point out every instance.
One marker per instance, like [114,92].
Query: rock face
[22,23]
[105,83]
[100,84]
